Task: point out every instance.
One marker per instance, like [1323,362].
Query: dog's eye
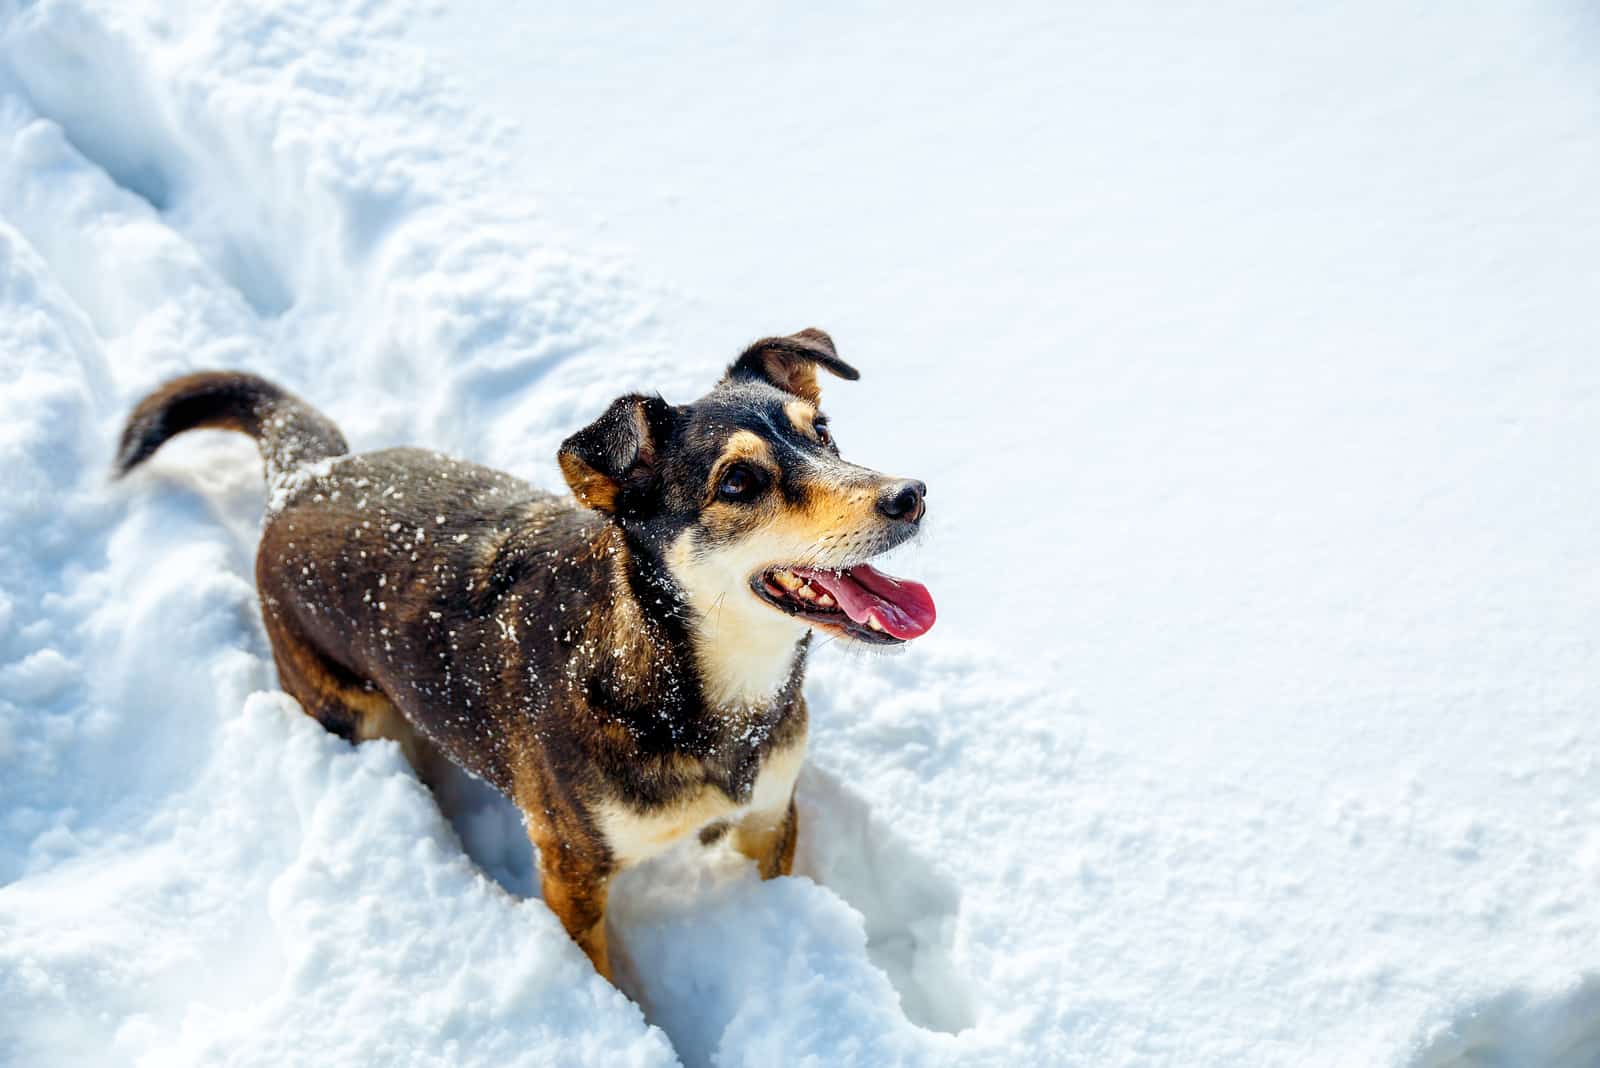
[740,483]
[824,435]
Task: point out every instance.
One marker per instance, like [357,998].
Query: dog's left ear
[791,363]
[611,463]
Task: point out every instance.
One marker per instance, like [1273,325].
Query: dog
[625,664]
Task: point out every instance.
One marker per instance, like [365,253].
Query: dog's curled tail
[288,431]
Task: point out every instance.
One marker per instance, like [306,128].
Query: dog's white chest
[634,836]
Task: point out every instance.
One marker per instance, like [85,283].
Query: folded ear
[791,363]
[611,463]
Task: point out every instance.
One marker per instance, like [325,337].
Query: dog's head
[745,500]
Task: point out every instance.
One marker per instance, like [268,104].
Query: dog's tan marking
[634,836]
[744,445]
[769,840]
[592,489]
[803,414]
[378,718]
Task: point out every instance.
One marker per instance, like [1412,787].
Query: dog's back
[411,575]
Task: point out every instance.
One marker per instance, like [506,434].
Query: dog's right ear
[791,363]
[611,463]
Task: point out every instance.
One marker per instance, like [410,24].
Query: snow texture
[1248,354]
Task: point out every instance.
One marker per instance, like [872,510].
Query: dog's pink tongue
[902,608]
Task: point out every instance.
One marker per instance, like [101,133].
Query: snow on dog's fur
[626,666]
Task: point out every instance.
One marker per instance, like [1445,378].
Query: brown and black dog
[627,667]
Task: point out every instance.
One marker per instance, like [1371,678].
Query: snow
[1247,354]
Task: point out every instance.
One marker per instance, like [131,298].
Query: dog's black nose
[904,501]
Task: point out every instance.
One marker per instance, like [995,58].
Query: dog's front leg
[575,889]
[768,839]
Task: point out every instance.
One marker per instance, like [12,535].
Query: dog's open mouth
[861,601]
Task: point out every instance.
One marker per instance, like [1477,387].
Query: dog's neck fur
[743,653]
[745,658]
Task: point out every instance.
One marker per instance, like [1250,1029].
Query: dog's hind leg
[352,708]
[378,718]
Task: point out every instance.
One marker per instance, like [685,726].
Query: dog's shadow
[1519,1028]
[908,907]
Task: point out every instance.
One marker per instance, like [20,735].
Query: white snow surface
[1249,353]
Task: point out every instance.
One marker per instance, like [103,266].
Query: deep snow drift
[1260,723]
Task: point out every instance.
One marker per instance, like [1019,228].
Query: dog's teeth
[806,593]
[872,621]
[786,579]
[824,601]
